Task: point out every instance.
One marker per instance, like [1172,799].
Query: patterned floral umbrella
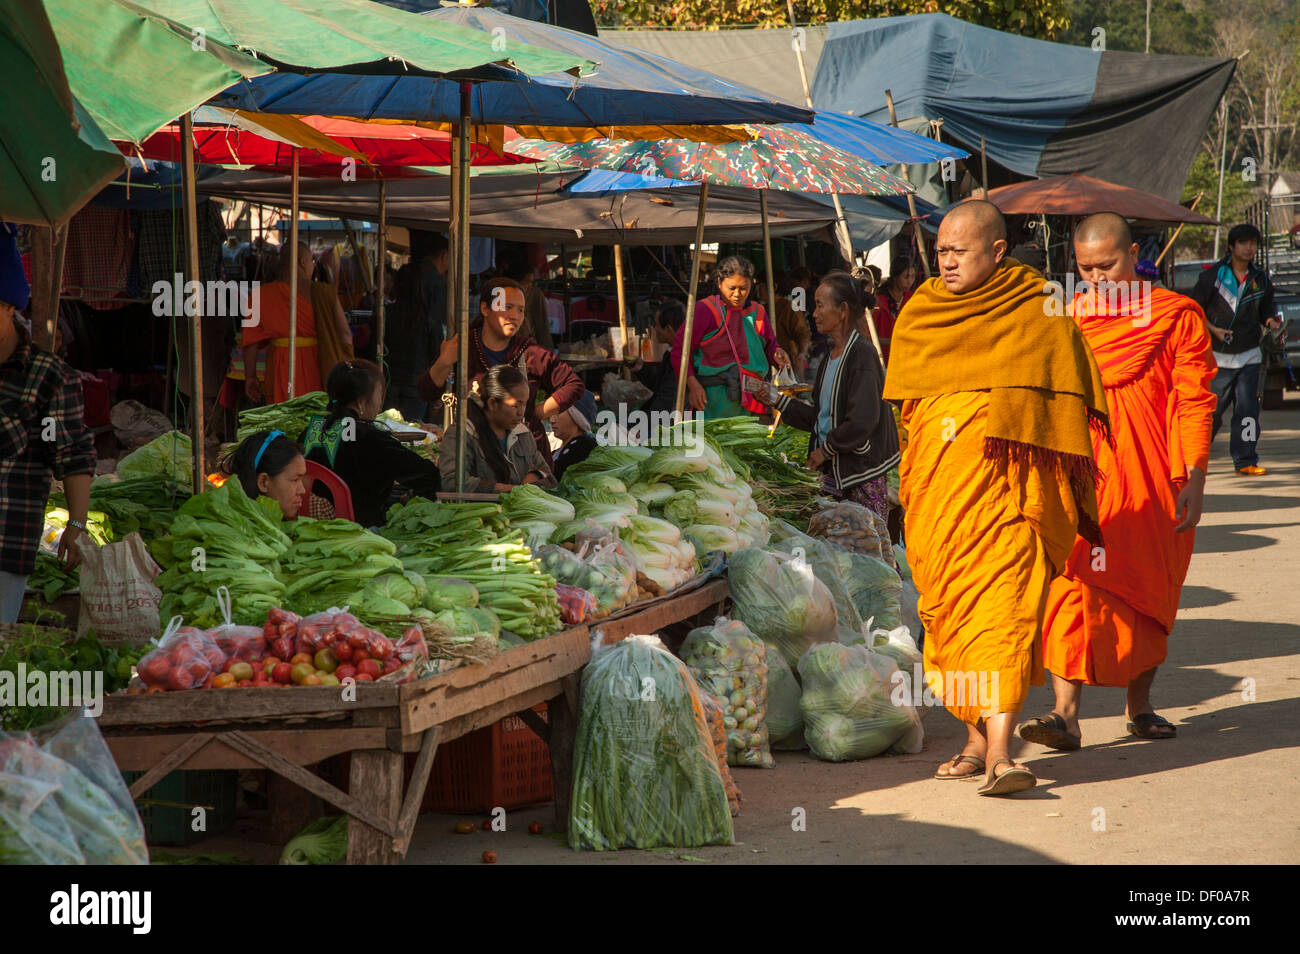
[776,158]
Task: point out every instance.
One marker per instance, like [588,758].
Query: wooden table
[285,730]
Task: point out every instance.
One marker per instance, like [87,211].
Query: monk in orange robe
[998,398]
[272,331]
[1109,616]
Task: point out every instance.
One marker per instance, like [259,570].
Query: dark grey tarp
[527,208]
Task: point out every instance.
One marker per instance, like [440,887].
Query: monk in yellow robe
[998,398]
[1109,616]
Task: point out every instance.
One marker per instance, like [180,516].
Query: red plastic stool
[334,483]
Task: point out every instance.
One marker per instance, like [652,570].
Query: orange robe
[984,539]
[1108,618]
[273,328]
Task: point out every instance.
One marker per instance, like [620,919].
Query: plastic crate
[504,765]
[215,790]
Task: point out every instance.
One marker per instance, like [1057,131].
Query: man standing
[41,434]
[1237,298]
[1109,616]
[998,399]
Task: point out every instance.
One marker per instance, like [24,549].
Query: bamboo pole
[196,333]
[1181,225]
[691,293]
[767,259]
[462,282]
[984,169]
[381,290]
[911,208]
[293,277]
[622,295]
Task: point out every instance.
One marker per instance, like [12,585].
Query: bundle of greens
[849,704]
[146,505]
[618,461]
[644,769]
[168,456]
[664,553]
[55,651]
[290,416]
[473,542]
[535,513]
[221,538]
[50,577]
[340,563]
[772,463]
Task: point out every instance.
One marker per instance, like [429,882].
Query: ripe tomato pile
[326,649]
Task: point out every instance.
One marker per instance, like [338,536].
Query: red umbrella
[391,149]
[1078,195]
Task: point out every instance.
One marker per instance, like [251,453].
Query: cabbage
[652,528]
[825,560]
[448,591]
[653,495]
[322,842]
[781,600]
[849,707]
[606,483]
[690,507]
[713,537]
[169,456]
[529,502]
[535,532]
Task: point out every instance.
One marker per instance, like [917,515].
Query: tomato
[215,657]
[464,828]
[381,646]
[487,824]
[534,828]
[299,673]
[300,658]
[152,689]
[223,681]
[324,659]
[342,650]
[155,670]
[180,678]
[392,664]
[364,677]
[282,648]
[269,663]
[490,857]
[369,667]
[345,671]
[312,680]
[282,673]
[358,655]
[241,671]
[244,683]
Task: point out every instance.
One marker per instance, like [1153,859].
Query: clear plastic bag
[645,773]
[730,662]
[602,570]
[875,589]
[825,562]
[63,801]
[238,643]
[854,704]
[852,527]
[576,605]
[784,717]
[185,658]
[714,715]
[781,600]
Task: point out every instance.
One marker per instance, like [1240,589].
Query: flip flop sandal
[958,759]
[1009,782]
[1148,725]
[1050,730]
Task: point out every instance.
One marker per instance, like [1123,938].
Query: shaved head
[972,243]
[1104,250]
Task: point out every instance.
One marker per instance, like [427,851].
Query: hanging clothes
[98,257]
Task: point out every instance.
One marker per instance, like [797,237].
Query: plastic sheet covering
[784,717]
[63,801]
[730,662]
[875,589]
[852,704]
[645,773]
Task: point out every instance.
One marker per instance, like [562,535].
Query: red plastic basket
[502,766]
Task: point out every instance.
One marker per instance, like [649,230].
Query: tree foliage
[1046,19]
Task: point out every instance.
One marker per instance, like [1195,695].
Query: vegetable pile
[604,573]
[731,663]
[340,563]
[771,464]
[780,599]
[535,512]
[473,542]
[48,650]
[321,842]
[874,587]
[168,456]
[645,772]
[849,704]
[714,709]
[853,527]
[290,416]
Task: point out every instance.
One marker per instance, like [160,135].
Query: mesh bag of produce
[645,773]
[731,663]
[713,715]
[781,600]
[784,717]
[851,526]
[875,589]
[854,704]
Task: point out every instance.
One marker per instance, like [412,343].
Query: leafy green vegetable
[291,416]
[446,592]
[321,842]
[169,456]
[782,601]
[528,502]
[849,705]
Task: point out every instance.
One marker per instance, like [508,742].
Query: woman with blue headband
[270,464]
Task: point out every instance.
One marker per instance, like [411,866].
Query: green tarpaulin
[48,166]
[338,34]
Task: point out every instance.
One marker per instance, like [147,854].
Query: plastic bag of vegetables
[853,527]
[611,579]
[824,559]
[714,715]
[875,588]
[644,770]
[782,602]
[731,663]
[848,704]
[784,717]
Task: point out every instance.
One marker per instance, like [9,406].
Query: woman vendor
[494,341]
[854,440]
[368,458]
[730,340]
[500,452]
[574,427]
[270,464]
[271,330]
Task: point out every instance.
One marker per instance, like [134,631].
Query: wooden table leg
[563,716]
[376,781]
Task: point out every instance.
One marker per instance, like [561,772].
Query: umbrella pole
[196,320]
[622,303]
[293,276]
[1174,238]
[462,282]
[984,169]
[380,290]
[688,328]
[911,209]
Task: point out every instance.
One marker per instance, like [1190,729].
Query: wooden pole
[1223,160]
[1173,238]
[462,283]
[622,297]
[767,259]
[381,290]
[293,277]
[911,208]
[196,333]
[684,364]
[984,169]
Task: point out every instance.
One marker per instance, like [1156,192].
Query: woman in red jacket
[494,340]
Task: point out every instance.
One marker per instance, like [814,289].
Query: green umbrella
[357,36]
[53,157]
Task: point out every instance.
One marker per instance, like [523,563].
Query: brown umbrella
[1078,195]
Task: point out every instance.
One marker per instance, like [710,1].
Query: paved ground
[1223,792]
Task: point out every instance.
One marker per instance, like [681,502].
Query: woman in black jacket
[369,459]
[854,441]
